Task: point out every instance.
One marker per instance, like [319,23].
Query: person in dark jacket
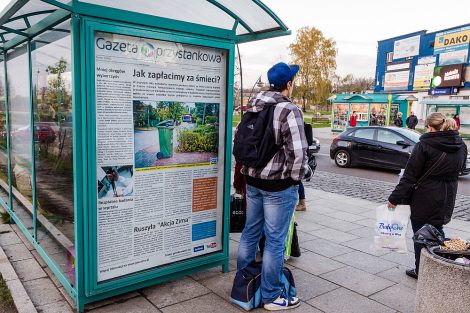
[433,201]
[373,121]
[398,122]
[412,121]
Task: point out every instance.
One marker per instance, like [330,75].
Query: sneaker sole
[278,308]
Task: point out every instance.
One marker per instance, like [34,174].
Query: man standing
[373,120]
[412,121]
[398,121]
[353,120]
[272,191]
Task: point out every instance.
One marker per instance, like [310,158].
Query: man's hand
[239,191]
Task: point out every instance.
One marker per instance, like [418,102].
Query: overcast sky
[355,25]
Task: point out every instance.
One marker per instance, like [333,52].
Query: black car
[385,147]
[315,147]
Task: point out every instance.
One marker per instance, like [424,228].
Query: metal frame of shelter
[85,18]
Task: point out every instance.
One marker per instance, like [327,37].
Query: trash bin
[165,137]
[443,284]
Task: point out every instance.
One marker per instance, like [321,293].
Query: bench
[321,119]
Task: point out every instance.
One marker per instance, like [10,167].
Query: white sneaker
[284,302]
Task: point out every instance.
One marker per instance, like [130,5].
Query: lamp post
[258,83]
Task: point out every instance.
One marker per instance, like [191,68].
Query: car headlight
[318,141]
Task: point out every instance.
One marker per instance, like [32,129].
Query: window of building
[409,58]
[361,111]
[389,57]
[459,97]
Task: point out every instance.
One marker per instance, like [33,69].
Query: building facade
[429,66]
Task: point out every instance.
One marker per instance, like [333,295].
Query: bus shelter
[113,188]
[385,107]
[450,108]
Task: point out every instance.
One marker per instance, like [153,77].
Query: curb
[22,301]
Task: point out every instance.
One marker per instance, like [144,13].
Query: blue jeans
[301,191]
[417,226]
[271,212]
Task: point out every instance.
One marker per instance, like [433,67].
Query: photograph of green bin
[165,138]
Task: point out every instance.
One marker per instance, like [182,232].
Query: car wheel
[342,158]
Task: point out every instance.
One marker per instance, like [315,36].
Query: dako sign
[447,76]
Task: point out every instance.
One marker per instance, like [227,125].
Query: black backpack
[255,144]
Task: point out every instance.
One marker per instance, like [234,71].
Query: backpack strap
[415,186]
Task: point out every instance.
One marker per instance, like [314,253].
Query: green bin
[165,137]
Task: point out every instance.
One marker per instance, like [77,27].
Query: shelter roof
[242,20]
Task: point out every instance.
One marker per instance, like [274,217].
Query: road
[325,164]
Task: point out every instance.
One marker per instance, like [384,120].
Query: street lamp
[258,83]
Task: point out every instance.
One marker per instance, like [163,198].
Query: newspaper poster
[407,47]
[160,132]
[455,57]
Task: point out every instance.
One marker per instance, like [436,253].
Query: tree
[316,56]
[205,109]
[58,94]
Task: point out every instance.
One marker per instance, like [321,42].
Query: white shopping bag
[390,228]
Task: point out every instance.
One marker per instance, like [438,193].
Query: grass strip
[5,294]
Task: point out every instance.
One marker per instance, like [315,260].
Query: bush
[191,141]
[210,119]
[199,121]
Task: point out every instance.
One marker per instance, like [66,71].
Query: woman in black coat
[433,201]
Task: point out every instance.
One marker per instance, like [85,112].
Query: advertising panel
[430,59]
[464,115]
[452,40]
[159,176]
[447,76]
[423,76]
[406,47]
[455,57]
[397,80]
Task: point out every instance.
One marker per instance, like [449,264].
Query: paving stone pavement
[373,190]
[337,271]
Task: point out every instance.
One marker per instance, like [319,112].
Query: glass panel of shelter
[34,6]
[394,109]
[19,110]
[252,14]
[4,176]
[194,11]
[52,106]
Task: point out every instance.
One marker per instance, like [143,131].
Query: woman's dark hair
[283,87]
[455,116]
[109,170]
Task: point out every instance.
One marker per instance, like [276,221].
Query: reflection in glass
[53,145]
[4,178]
[380,111]
[19,110]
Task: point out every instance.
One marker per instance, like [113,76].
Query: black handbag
[295,248]
[428,236]
[407,199]
[237,213]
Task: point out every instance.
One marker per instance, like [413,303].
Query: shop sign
[396,80]
[439,92]
[430,59]
[423,76]
[406,47]
[454,57]
[452,40]
[447,76]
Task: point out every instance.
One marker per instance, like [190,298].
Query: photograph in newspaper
[116,181]
[160,150]
[174,133]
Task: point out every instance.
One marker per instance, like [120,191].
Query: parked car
[378,146]
[42,132]
[315,147]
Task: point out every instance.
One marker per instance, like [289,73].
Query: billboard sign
[447,76]
[406,47]
[452,40]
[439,92]
[454,57]
[423,76]
[397,80]
[430,59]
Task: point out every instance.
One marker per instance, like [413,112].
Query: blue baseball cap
[281,73]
